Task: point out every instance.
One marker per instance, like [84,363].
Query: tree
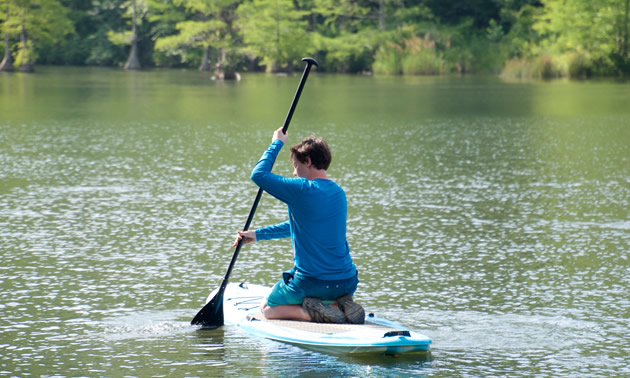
[517,19]
[338,16]
[341,40]
[620,55]
[133,63]
[624,30]
[457,11]
[35,21]
[163,17]
[587,35]
[274,32]
[135,11]
[7,61]
[211,27]
[405,12]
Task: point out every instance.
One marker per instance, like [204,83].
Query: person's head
[314,151]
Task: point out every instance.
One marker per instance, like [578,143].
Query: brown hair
[314,147]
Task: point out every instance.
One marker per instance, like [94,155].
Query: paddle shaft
[216,304]
[250,217]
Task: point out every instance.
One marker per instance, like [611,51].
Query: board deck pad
[326,328]
[241,306]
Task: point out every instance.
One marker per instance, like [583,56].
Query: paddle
[211,315]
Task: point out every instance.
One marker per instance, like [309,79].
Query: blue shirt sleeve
[270,182]
[285,189]
[277,231]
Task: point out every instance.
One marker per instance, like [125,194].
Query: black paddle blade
[211,315]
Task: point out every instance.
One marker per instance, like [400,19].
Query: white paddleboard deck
[241,307]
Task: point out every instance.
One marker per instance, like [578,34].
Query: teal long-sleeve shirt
[316,224]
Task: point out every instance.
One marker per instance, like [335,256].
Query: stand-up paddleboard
[241,305]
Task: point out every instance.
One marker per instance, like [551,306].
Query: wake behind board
[241,307]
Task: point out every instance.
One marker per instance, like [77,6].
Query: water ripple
[489,236]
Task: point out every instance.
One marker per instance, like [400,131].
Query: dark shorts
[293,290]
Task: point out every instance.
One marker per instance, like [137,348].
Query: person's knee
[264,309]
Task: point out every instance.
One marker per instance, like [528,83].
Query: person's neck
[317,174]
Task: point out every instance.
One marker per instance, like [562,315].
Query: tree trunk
[224,70]
[205,61]
[624,48]
[133,63]
[381,15]
[7,61]
[27,65]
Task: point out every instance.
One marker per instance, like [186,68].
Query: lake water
[492,216]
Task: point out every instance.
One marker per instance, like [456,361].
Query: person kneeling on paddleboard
[323,269]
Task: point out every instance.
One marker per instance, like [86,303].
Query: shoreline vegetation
[518,39]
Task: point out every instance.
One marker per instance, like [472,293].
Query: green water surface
[492,216]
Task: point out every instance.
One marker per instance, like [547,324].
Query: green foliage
[164,15]
[274,32]
[347,52]
[494,32]
[25,54]
[582,37]
[533,67]
[413,56]
[342,40]
[33,23]
[411,13]
[198,33]
[46,20]
[124,37]
[99,19]
[206,25]
[521,38]
[455,12]
[421,57]
[120,38]
[339,16]
[579,65]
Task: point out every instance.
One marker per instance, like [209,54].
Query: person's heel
[354,313]
[320,313]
